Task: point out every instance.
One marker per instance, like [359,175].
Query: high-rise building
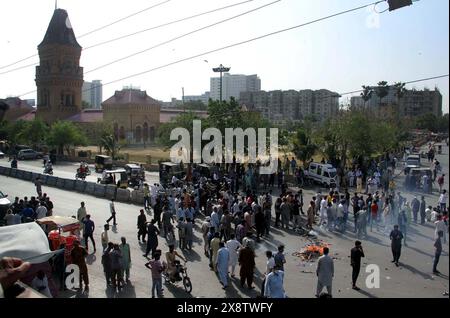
[413,103]
[305,103]
[92,94]
[59,77]
[283,106]
[234,85]
[416,103]
[326,103]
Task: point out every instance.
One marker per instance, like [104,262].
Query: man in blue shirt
[88,232]
[279,258]
[274,284]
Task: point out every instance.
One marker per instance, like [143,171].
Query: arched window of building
[122,133]
[116,131]
[152,134]
[138,134]
[145,131]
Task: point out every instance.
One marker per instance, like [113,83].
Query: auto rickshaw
[135,174]
[61,230]
[119,177]
[103,163]
[169,169]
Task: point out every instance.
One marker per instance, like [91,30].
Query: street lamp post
[221,69]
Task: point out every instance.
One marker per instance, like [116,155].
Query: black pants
[277,219]
[355,273]
[112,217]
[263,287]
[396,252]
[436,261]
[248,278]
[142,232]
[86,237]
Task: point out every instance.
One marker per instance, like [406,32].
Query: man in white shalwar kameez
[223,259]
[233,246]
[325,273]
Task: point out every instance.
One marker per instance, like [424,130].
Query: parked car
[324,174]
[413,160]
[29,154]
[2,155]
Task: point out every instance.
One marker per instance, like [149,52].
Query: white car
[2,155]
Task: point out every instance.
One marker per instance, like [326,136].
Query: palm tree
[110,144]
[366,94]
[303,147]
[382,90]
[400,91]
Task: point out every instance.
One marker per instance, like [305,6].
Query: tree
[3,109]
[382,90]
[400,91]
[35,132]
[100,130]
[184,120]
[110,144]
[303,147]
[15,132]
[64,135]
[366,94]
[85,104]
[195,105]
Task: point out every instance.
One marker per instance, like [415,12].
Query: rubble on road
[311,251]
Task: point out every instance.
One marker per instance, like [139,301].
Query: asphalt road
[412,279]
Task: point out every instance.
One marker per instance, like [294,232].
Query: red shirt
[374,208]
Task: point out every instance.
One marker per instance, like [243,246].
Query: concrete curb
[123,195]
[99,190]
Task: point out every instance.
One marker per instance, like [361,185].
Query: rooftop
[130,96]
[60,31]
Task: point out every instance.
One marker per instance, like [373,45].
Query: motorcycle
[181,275]
[80,175]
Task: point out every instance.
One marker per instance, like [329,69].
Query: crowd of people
[236,206]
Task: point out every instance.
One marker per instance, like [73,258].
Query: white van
[324,174]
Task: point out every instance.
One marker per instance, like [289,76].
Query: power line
[125,18]
[168,23]
[237,44]
[127,35]
[181,36]
[85,34]
[243,42]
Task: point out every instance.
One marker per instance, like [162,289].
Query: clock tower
[59,77]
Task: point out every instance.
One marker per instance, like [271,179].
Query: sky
[339,54]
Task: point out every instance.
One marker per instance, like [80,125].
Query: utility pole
[221,69]
[182,99]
